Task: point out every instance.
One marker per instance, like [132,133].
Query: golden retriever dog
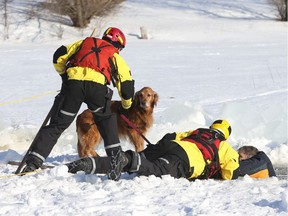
[140,114]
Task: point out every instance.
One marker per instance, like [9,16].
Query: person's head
[246,152]
[115,36]
[223,127]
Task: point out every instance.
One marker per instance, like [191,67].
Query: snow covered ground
[206,59]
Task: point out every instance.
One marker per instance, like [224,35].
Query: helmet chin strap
[219,132]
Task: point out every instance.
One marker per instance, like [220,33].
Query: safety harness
[208,142]
[96,54]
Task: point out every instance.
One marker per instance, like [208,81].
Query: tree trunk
[285,11]
[6,35]
[79,15]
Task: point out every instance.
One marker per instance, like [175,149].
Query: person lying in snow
[197,154]
[254,163]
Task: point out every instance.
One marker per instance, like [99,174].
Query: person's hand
[123,111]
[64,77]
[64,85]
[169,136]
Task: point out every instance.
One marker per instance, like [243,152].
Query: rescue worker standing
[86,68]
[196,154]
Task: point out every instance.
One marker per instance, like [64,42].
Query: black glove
[64,77]
[123,111]
[64,85]
[169,136]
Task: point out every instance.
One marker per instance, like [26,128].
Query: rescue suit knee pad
[134,161]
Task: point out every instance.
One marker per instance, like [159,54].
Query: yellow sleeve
[228,158]
[182,135]
[62,54]
[124,81]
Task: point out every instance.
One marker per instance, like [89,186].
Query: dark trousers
[66,106]
[166,165]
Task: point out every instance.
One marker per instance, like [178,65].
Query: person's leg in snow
[63,115]
[105,120]
[112,166]
[129,161]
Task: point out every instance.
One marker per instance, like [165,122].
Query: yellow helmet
[223,127]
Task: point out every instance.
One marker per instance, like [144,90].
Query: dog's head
[146,99]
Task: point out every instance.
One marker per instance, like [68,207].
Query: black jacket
[258,166]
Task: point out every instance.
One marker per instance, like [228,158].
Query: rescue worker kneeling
[254,163]
[197,154]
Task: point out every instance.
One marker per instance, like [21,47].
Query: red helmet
[115,36]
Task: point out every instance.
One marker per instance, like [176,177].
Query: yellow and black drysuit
[174,155]
[180,157]
[86,67]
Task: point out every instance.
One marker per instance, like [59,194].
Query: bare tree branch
[282,8]
[82,11]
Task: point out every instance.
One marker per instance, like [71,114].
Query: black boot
[32,163]
[113,149]
[118,161]
[84,164]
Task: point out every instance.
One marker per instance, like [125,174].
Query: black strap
[204,142]
[207,143]
[114,71]
[95,50]
[134,127]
